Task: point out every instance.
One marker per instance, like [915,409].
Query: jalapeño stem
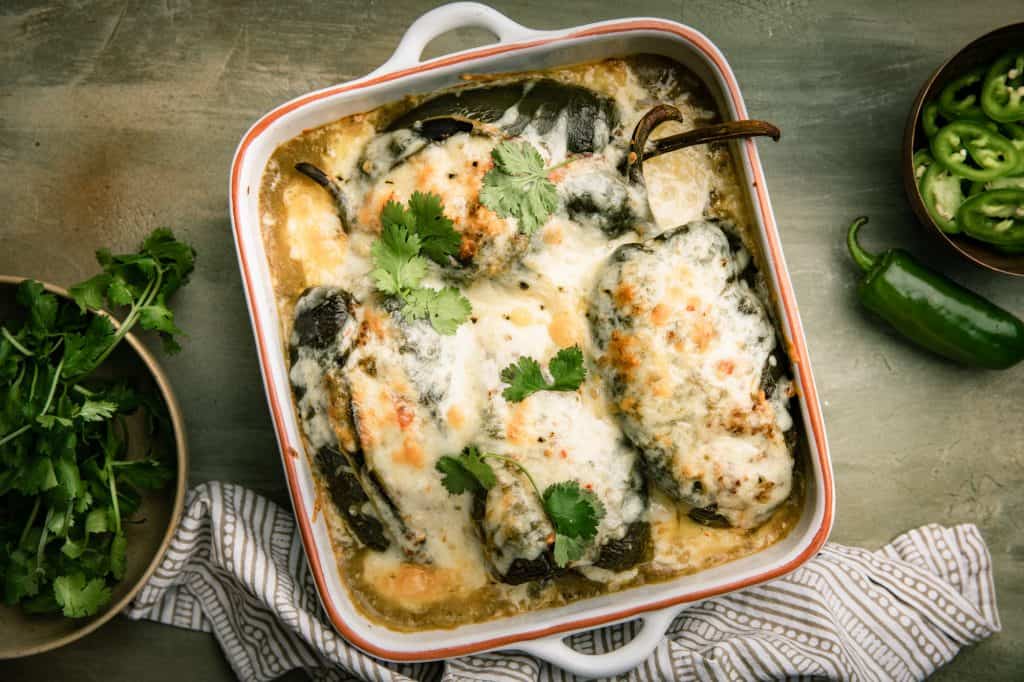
[864,260]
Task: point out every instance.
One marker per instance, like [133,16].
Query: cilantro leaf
[21,579]
[448,308]
[524,378]
[567,369]
[418,303]
[118,292]
[89,294]
[176,259]
[69,480]
[36,477]
[48,421]
[518,186]
[567,549]
[78,597]
[457,478]
[474,462]
[437,232]
[573,511]
[96,410]
[159,317]
[467,471]
[83,351]
[40,305]
[72,549]
[399,268]
[97,521]
[394,214]
[396,257]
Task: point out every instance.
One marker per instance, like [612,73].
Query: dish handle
[554,649]
[455,15]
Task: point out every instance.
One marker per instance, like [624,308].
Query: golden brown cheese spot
[624,353]
[521,317]
[480,224]
[456,419]
[404,413]
[624,296]
[553,234]
[369,212]
[410,454]
[660,314]
[659,385]
[564,329]
[373,321]
[515,429]
[702,334]
[725,368]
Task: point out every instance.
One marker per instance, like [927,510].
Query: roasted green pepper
[935,312]
[1002,94]
[942,195]
[995,216]
[960,98]
[991,154]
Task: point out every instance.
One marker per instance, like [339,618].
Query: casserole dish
[519,49]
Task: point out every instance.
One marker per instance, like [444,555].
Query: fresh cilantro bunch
[409,236]
[573,511]
[524,378]
[518,186]
[66,487]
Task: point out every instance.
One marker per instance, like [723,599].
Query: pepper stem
[864,260]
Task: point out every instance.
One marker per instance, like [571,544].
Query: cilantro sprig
[518,185]
[524,378]
[574,512]
[409,236]
[143,282]
[66,486]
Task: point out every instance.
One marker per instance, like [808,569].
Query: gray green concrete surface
[118,117]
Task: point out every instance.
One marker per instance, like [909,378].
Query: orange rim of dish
[785,291]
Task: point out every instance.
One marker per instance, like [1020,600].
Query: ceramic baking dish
[519,49]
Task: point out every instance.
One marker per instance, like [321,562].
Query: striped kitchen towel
[236,568]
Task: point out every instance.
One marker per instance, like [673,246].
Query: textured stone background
[117,117]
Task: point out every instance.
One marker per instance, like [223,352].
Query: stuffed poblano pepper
[935,312]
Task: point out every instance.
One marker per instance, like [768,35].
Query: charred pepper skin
[935,312]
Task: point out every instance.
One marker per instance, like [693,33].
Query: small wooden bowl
[24,635]
[984,50]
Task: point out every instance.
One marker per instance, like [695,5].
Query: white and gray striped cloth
[236,568]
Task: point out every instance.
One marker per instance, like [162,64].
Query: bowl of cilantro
[93,458]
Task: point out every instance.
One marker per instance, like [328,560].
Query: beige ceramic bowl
[23,635]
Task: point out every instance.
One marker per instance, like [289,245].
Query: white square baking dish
[520,49]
